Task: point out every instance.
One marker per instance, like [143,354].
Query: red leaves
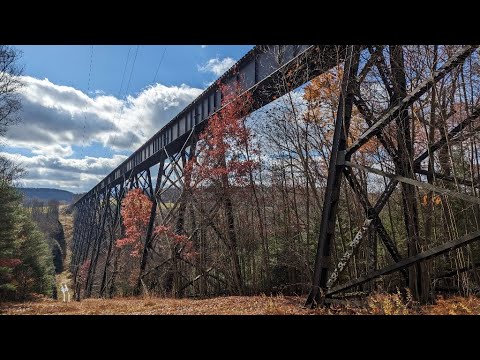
[10,263]
[161,230]
[181,240]
[225,150]
[136,207]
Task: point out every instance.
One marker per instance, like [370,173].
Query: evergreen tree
[9,200]
[35,274]
[26,263]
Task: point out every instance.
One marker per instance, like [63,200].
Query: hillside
[45,194]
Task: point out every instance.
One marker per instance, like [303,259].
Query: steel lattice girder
[319,286]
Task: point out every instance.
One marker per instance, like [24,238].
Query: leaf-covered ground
[237,305]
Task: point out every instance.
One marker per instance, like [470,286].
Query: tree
[35,273]
[26,263]
[135,215]
[9,171]
[224,161]
[9,200]
[10,83]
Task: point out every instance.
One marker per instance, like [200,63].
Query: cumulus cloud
[217,66]
[65,116]
[55,118]
[67,173]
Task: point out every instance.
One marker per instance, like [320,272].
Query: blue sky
[76,128]
[69,65]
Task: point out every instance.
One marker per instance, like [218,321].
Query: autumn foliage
[225,148]
[135,211]
[378,304]
[185,244]
[322,98]
[136,207]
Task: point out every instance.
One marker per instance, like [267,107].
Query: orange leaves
[161,230]
[455,306]
[436,200]
[136,207]
[425,200]
[324,88]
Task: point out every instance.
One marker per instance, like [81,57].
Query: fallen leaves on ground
[231,305]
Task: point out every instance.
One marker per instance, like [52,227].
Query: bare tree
[10,83]
[9,171]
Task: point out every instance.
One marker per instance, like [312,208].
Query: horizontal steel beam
[437,250]
[450,178]
[427,186]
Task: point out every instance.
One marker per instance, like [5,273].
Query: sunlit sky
[86,108]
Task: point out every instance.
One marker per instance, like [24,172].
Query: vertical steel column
[151,222]
[118,199]
[335,170]
[98,242]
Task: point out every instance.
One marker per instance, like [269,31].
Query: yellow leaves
[389,304]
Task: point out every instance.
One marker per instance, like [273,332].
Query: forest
[240,214]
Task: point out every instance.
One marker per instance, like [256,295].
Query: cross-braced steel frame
[341,165]
[97,221]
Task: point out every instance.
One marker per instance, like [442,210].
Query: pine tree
[26,263]
[9,199]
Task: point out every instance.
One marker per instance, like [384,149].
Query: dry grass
[278,305]
[235,305]
[455,306]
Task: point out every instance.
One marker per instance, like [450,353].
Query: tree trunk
[419,282]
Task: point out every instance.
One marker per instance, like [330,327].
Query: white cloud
[217,66]
[65,116]
[52,150]
[203,46]
[55,118]
[75,175]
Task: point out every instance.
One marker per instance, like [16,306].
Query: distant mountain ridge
[45,194]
